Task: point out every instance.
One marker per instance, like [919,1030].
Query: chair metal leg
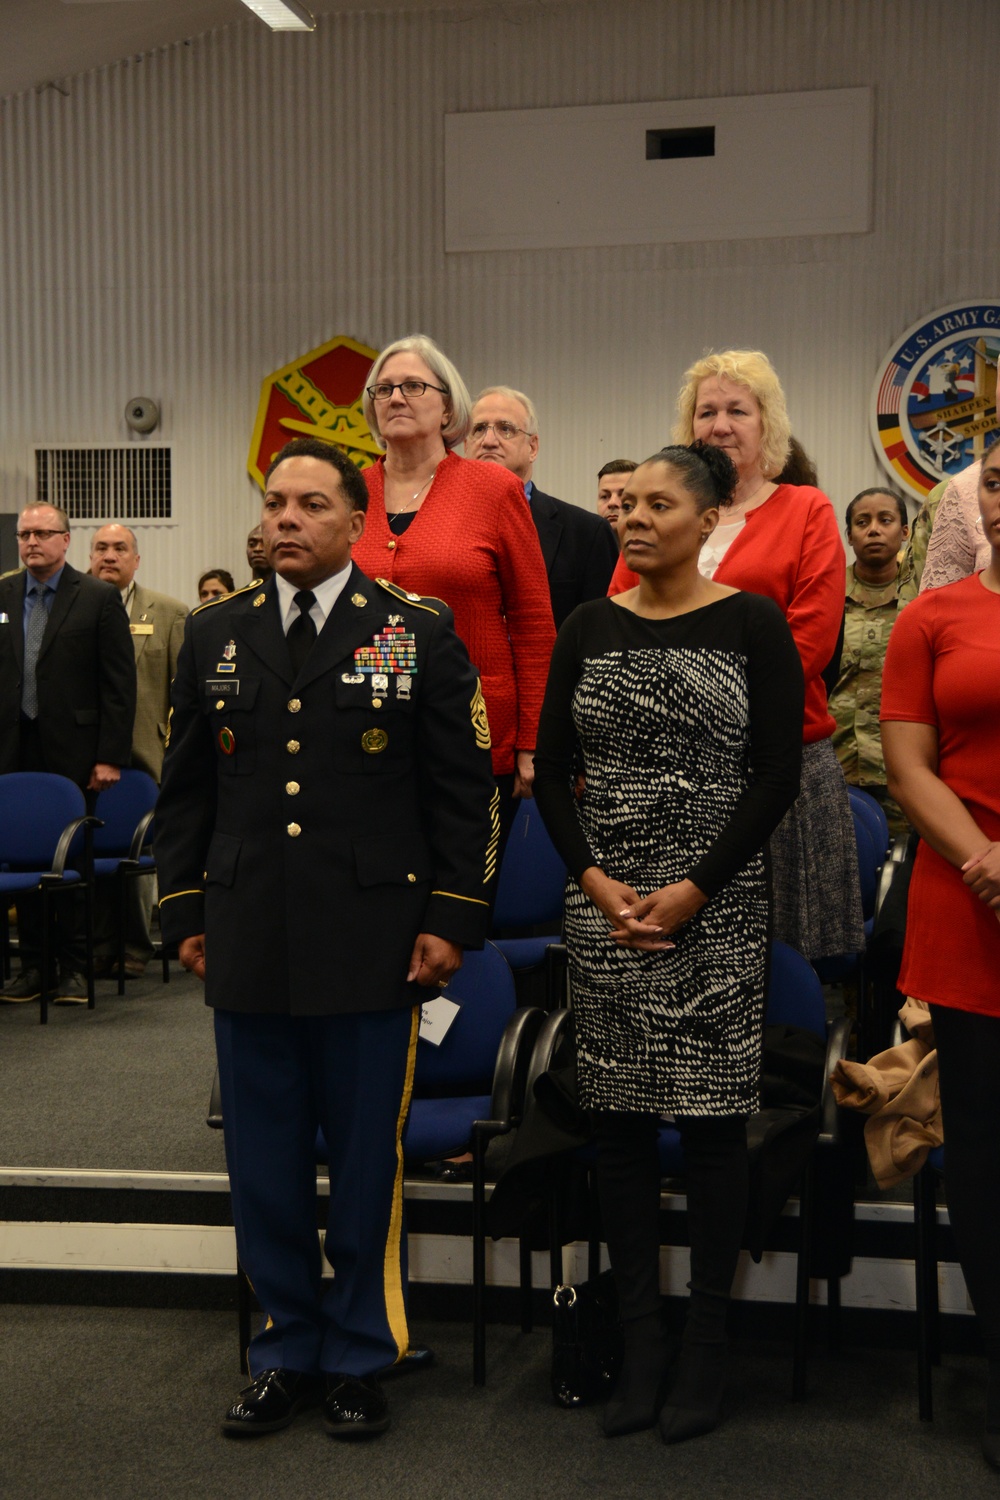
[800,1341]
[925,1268]
[88,940]
[931,1271]
[527,1290]
[121,904]
[555,1238]
[46,959]
[478,1259]
[833,1314]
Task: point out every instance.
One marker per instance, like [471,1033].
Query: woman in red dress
[782,540]
[940,732]
[461,531]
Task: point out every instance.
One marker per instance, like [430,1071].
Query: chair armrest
[898,856]
[513,1058]
[544,1050]
[836,1050]
[139,837]
[66,838]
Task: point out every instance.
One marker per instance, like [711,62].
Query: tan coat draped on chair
[899,1092]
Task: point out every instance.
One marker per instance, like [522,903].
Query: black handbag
[587,1343]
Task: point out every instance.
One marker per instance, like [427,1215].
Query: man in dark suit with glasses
[67,706]
[578,548]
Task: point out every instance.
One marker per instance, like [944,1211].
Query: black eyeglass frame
[383,391]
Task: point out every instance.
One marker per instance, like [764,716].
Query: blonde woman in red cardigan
[459,530]
[782,540]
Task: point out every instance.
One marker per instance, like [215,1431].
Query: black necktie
[302,631]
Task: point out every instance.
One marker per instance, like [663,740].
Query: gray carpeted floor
[124,1086]
[113,1402]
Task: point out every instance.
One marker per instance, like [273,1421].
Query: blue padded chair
[452,1082]
[469,1090]
[126,811]
[43,819]
[875,818]
[530,893]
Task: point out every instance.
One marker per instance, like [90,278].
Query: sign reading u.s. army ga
[318,395]
[934,402]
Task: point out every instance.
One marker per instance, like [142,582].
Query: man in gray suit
[157,625]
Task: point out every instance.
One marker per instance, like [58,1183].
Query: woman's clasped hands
[642,922]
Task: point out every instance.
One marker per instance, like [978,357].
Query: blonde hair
[750,368]
[444,372]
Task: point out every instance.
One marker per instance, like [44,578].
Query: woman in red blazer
[782,540]
[461,531]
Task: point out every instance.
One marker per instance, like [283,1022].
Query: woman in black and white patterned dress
[680,702]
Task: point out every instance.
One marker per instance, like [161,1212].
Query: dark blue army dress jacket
[313,826]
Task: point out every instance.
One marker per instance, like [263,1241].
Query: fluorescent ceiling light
[282,15]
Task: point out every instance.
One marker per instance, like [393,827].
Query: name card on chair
[436,1019]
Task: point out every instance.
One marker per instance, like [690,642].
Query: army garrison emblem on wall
[317,395]
[934,402]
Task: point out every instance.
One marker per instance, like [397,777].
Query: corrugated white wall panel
[183,224]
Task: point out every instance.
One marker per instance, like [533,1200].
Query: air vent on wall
[95,484]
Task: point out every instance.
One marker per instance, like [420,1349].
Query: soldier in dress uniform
[325,827]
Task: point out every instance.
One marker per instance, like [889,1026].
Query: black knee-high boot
[628,1180]
[715,1155]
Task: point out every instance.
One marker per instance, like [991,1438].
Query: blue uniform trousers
[282,1076]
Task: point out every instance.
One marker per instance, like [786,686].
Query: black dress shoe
[355,1406]
[27,986]
[417,1357]
[72,989]
[275,1399]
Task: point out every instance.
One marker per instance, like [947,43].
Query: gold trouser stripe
[395,1306]
[476,901]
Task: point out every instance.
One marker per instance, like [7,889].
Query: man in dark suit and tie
[326,824]
[67,704]
[579,549]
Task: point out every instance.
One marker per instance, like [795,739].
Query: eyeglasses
[503,430]
[406,388]
[40,533]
